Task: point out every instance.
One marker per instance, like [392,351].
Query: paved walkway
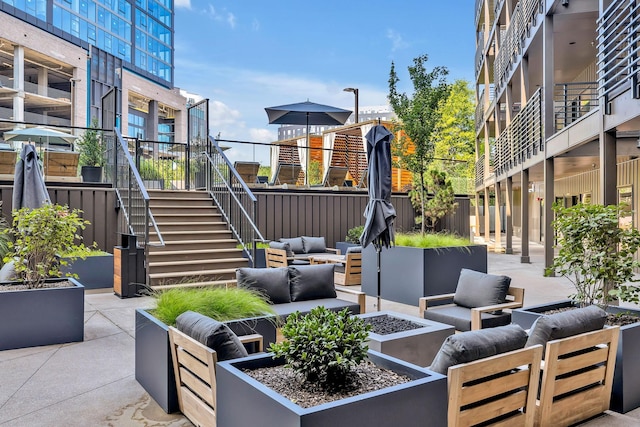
[92,383]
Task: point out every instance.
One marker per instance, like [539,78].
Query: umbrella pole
[378,250]
[306,160]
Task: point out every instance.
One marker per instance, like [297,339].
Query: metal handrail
[236,201]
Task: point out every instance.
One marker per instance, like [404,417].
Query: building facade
[58,58]
[558,112]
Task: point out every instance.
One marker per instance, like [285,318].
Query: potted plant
[92,153]
[427,264]
[323,374]
[597,256]
[153,363]
[39,306]
[260,261]
[351,239]
[94,269]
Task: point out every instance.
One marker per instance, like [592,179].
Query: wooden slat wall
[98,205]
[331,214]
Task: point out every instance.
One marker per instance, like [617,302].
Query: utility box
[128,267]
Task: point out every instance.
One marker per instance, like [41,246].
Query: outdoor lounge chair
[286,173]
[479,302]
[194,365]
[248,171]
[335,175]
[350,273]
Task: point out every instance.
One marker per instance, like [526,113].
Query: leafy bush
[39,236]
[92,151]
[353,234]
[218,303]
[324,345]
[430,240]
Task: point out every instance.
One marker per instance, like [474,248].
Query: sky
[251,54]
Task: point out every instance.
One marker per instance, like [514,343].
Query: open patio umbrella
[41,135]
[307,113]
[379,213]
[29,189]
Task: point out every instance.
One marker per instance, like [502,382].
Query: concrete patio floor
[92,383]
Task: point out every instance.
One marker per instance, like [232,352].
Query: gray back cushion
[476,289]
[468,346]
[8,272]
[296,244]
[565,324]
[311,282]
[354,249]
[313,244]
[215,335]
[271,282]
[282,245]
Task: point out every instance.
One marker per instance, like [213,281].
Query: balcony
[572,101]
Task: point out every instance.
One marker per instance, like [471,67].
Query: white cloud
[397,42]
[183,3]
[231,19]
[255,25]
[224,16]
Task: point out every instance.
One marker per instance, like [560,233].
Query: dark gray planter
[625,395]
[343,246]
[153,361]
[91,173]
[261,261]
[411,404]
[45,316]
[95,272]
[407,273]
[418,346]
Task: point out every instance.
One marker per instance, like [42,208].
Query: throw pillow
[282,245]
[476,289]
[271,282]
[215,335]
[354,249]
[565,324]
[313,244]
[296,244]
[468,346]
[311,282]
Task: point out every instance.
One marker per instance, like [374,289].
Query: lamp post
[355,92]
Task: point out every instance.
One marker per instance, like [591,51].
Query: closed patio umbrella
[29,189]
[379,212]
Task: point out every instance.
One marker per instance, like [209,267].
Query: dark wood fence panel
[97,204]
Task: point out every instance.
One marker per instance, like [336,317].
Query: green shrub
[218,303]
[92,151]
[430,240]
[353,234]
[323,346]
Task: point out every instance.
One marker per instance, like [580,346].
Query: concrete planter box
[94,272]
[408,273]
[418,346]
[153,361]
[261,261]
[625,395]
[45,316]
[411,404]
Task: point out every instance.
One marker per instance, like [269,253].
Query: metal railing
[235,200]
[618,42]
[572,101]
[131,194]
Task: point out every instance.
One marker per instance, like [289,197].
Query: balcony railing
[572,101]
[480,171]
[618,41]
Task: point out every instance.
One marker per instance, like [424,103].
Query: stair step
[226,283]
[192,226]
[196,265]
[220,274]
[192,273]
[177,194]
[196,244]
[181,201]
[182,235]
[197,254]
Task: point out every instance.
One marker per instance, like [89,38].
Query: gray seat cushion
[296,244]
[282,245]
[565,324]
[313,244]
[309,282]
[304,307]
[354,249]
[473,345]
[476,289]
[273,283]
[215,335]
[460,317]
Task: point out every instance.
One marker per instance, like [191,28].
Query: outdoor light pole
[355,92]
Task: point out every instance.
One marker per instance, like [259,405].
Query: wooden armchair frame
[515,299]
[352,274]
[194,366]
[577,377]
[500,389]
[275,257]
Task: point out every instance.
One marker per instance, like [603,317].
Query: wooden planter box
[95,272]
[153,361]
[407,274]
[45,316]
[625,395]
[422,400]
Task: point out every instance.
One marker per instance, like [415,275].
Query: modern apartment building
[558,112]
[58,58]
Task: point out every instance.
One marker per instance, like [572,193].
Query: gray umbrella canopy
[40,134]
[379,213]
[29,189]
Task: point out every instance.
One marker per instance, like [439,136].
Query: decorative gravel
[385,324]
[366,377]
[621,319]
[15,287]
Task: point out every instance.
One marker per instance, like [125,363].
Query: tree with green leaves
[419,116]
[92,151]
[441,203]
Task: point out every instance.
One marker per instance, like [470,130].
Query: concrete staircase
[199,247]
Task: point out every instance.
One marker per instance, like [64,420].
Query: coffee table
[418,346]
